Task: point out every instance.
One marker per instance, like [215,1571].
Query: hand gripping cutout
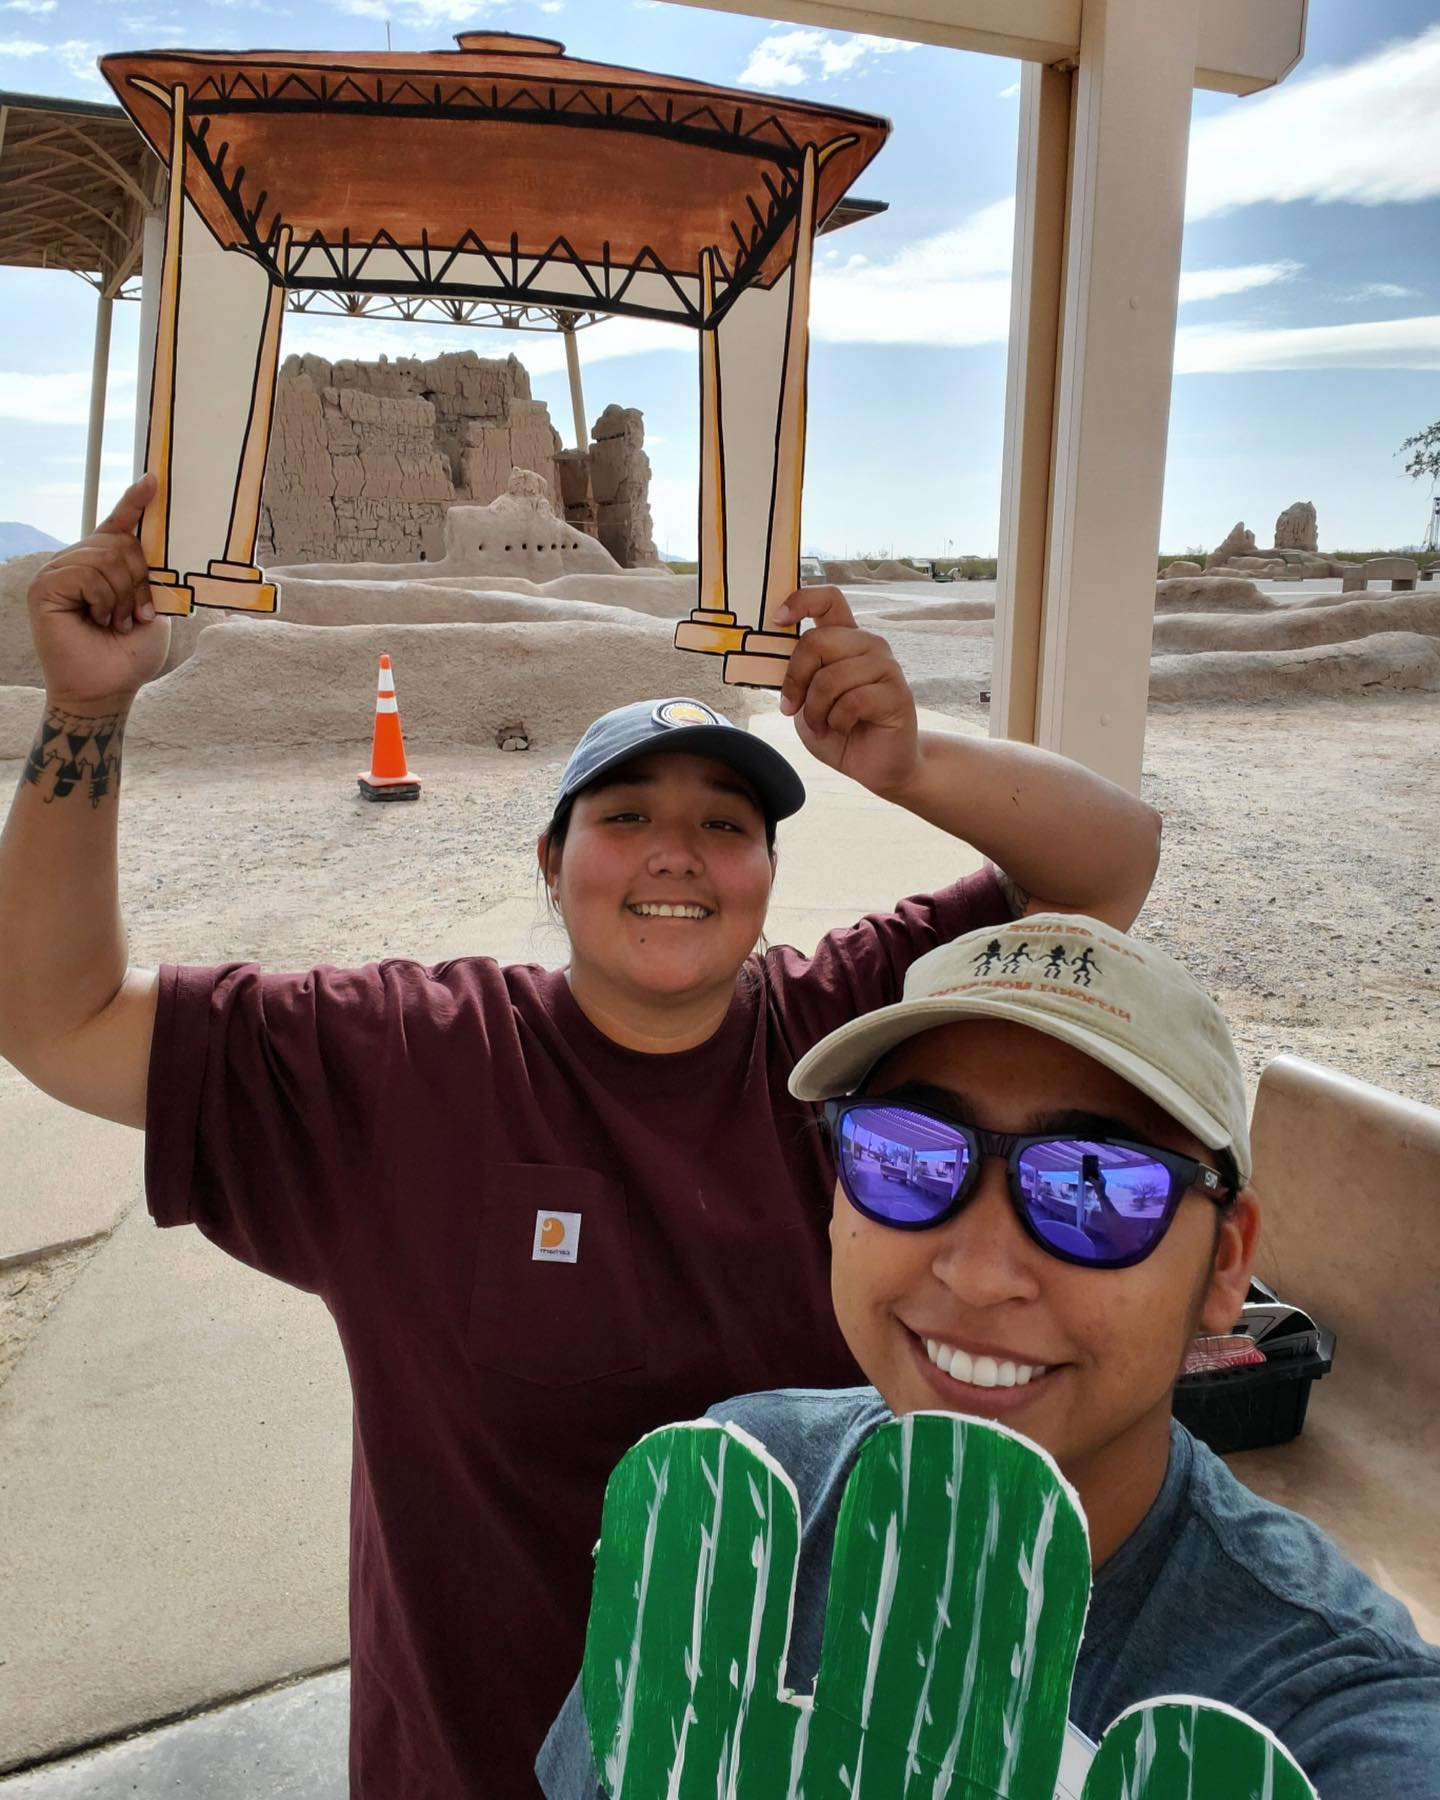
[958,1590]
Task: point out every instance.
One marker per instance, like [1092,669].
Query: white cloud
[803,58]
[418,15]
[79,56]
[1212,284]
[62,398]
[1380,344]
[552,6]
[75,459]
[1009,93]
[1377,290]
[35,7]
[1368,133]
[954,288]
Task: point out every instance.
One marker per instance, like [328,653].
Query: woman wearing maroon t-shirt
[547,1209]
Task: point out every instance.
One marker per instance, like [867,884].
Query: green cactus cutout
[958,1588]
[1180,1749]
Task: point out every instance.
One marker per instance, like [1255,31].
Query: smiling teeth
[647,911]
[980,1371]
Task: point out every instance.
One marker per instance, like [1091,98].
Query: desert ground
[1292,750]
[1300,878]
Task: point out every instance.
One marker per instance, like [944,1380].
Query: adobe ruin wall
[366,458]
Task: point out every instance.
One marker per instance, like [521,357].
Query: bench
[1348,1178]
[1399,571]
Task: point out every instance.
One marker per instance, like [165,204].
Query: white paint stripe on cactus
[1032,1573]
[620,1752]
[806,1707]
[972,1652]
[704,1581]
[760,1554]
[907,1444]
[942,1609]
[677,1765]
[884,1600]
[1145,1755]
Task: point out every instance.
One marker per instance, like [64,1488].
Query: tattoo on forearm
[73,754]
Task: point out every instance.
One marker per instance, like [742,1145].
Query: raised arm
[74,1017]
[1066,839]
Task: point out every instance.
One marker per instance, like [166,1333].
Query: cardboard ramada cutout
[958,1588]
[506,171]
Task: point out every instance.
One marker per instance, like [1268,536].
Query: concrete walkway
[289,1744]
[174,1444]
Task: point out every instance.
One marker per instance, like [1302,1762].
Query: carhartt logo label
[557,1237]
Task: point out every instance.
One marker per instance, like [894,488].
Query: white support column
[1036,297]
[1127,190]
[577,393]
[99,377]
[152,265]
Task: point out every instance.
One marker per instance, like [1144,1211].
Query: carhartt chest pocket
[556,1299]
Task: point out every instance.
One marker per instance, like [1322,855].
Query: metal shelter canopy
[358,163]
[76,182]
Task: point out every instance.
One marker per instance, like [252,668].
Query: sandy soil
[1300,877]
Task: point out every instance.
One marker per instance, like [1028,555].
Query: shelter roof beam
[1242,45]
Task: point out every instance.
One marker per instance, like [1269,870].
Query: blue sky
[1309,331]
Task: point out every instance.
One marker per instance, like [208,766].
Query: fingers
[826,644]
[90,586]
[825,605]
[130,507]
[838,678]
[105,575]
[863,689]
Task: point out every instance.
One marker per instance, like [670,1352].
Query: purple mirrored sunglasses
[1098,1202]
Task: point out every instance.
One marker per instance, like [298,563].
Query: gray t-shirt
[1216,1593]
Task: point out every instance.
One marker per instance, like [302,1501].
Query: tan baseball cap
[1116,998]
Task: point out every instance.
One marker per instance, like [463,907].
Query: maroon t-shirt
[392,1138]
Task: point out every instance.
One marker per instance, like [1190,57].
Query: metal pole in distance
[577,393]
[99,375]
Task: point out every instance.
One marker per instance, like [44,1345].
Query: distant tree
[1424,450]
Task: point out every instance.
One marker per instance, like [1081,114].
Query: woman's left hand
[851,704]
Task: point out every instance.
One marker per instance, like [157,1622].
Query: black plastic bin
[1249,1408]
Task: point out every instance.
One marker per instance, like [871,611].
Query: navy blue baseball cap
[687,725]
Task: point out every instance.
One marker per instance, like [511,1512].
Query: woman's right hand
[92,615]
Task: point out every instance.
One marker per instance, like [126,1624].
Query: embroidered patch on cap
[685,712]
[557,1237]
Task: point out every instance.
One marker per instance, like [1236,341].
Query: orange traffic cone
[389,778]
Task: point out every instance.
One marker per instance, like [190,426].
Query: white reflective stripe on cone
[386,703]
